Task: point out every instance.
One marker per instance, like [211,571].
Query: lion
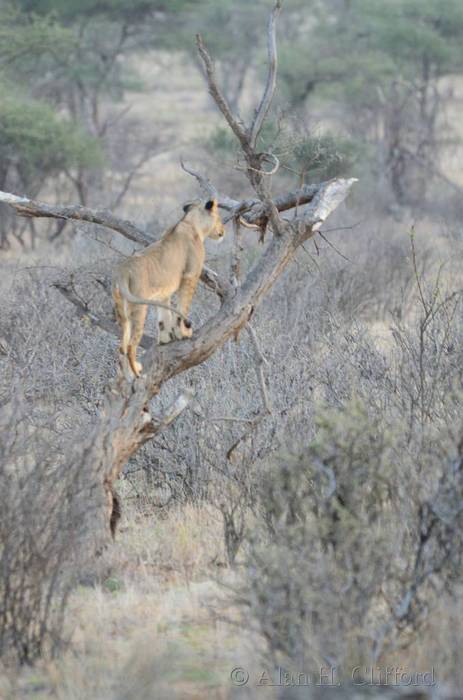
[151,276]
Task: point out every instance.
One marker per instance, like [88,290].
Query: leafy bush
[315,156]
[324,156]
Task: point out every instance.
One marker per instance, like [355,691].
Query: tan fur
[151,276]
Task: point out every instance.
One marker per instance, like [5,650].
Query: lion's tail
[127,294]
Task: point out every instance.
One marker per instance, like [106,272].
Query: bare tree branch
[203,181]
[29,207]
[264,157]
[255,212]
[261,361]
[249,431]
[320,233]
[174,410]
[328,198]
[215,92]
[212,280]
[95,319]
[269,91]
[235,268]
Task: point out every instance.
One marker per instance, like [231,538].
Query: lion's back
[159,265]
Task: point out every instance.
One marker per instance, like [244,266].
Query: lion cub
[171,265]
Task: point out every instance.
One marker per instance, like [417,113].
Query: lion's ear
[187,207]
[210,204]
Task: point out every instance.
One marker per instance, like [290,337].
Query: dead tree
[125,423]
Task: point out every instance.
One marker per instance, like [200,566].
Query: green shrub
[38,142]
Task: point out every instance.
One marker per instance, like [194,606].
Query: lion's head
[205,217]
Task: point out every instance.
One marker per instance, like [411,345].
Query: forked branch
[247,136]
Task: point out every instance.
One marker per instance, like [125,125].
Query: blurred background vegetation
[362,87]
[335,521]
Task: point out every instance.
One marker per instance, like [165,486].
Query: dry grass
[151,623]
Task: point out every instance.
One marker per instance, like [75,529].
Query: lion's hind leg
[183,329]
[137,319]
[123,318]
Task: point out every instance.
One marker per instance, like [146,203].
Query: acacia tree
[36,142]
[125,422]
[388,62]
[73,57]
